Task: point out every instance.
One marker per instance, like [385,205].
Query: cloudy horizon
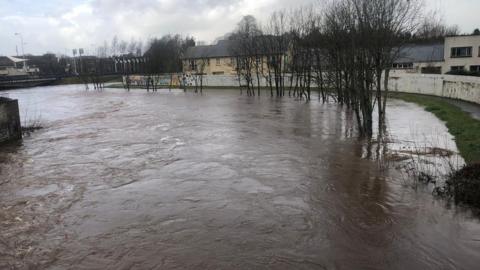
[58,26]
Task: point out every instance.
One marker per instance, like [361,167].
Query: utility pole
[23,51]
[74,51]
[80,52]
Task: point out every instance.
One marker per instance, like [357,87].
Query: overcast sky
[58,25]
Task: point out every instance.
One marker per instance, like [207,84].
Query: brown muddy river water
[170,180]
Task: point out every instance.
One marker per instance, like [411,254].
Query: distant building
[426,59]
[456,55]
[217,59]
[462,53]
[13,66]
[106,66]
[225,57]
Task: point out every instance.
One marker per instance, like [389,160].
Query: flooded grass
[461,124]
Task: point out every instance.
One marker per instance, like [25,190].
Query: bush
[464,185]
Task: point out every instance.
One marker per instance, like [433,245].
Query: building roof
[421,53]
[16,60]
[10,61]
[231,48]
[221,49]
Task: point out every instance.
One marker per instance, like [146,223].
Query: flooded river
[174,180]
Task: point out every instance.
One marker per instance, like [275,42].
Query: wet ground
[170,180]
[471,108]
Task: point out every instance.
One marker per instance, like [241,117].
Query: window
[475,68]
[431,70]
[457,68]
[403,66]
[219,62]
[461,52]
[193,65]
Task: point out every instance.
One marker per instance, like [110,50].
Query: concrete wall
[450,86]
[227,81]
[10,128]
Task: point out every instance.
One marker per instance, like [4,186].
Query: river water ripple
[174,180]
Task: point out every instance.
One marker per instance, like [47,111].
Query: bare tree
[114,46]
[200,66]
[246,52]
[433,27]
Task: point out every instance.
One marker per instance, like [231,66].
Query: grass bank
[460,124]
[78,80]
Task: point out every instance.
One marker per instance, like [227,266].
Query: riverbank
[462,125]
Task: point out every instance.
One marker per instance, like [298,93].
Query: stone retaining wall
[10,127]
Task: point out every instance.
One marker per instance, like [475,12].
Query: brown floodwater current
[174,180]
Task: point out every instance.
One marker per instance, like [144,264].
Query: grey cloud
[60,25]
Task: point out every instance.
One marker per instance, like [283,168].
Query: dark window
[475,68]
[403,66]
[461,52]
[457,68]
[193,65]
[432,70]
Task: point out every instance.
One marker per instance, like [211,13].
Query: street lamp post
[23,50]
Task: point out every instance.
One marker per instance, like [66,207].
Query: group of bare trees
[119,47]
[432,27]
[363,39]
[344,50]
[164,56]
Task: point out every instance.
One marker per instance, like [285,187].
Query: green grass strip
[460,124]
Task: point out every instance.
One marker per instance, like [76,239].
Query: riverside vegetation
[462,185]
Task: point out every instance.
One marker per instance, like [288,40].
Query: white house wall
[457,87]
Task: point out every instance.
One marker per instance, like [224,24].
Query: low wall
[10,128]
[456,87]
[178,80]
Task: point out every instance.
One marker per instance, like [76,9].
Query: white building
[462,53]
[456,54]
